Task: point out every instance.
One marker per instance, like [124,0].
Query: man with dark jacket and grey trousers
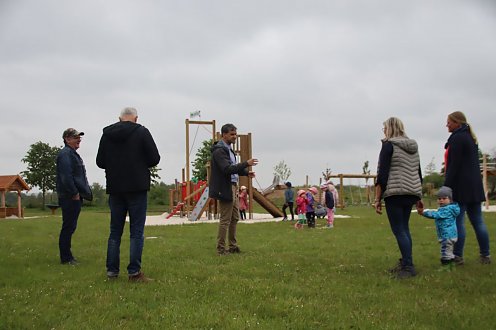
[126,152]
[223,186]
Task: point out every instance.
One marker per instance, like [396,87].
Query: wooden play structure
[190,198]
[12,183]
[363,200]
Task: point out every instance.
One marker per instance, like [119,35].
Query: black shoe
[396,269]
[234,250]
[111,276]
[222,253]
[406,272]
[72,262]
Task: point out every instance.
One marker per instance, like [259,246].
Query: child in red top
[301,208]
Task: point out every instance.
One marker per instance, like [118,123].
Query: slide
[267,204]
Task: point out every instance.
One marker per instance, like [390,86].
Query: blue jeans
[120,205]
[474,213]
[70,213]
[398,209]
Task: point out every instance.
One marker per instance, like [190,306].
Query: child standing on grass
[445,218]
[312,191]
[243,202]
[301,208]
[329,203]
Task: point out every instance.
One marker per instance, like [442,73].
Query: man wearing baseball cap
[72,188]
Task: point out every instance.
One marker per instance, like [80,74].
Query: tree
[327,174]
[282,171]
[366,171]
[430,168]
[202,157]
[154,177]
[432,179]
[41,172]
[99,195]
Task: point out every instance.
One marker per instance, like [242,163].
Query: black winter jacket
[220,186]
[462,167]
[126,152]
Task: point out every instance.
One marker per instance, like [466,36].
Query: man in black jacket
[223,186]
[126,152]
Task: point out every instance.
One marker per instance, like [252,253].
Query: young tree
[430,168]
[282,171]
[41,172]
[202,157]
[327,174]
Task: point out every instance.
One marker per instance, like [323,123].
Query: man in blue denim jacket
[72,188]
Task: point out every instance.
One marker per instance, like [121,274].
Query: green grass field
[283,279]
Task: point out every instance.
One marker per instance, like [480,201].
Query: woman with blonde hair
[463,176]
[399,183]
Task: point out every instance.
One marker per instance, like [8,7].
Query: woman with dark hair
[399,182]
[463,176]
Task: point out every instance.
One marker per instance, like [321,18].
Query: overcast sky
[312,81]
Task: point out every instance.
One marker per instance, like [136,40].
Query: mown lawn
[284,279]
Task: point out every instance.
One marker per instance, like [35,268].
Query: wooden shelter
[11,183]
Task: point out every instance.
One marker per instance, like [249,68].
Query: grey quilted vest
[404,176]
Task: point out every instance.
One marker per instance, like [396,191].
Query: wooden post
[19,205]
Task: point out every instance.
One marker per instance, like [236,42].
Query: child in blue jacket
[445,218]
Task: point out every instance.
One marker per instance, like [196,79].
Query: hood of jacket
[219,145]
[408,145]
[120,132]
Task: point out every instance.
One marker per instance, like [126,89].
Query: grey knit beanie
[445,192]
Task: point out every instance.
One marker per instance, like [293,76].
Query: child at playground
[288,201]
[329,203]
[445,218]
[301,208]
[243,202]
[310,212]
[334,192]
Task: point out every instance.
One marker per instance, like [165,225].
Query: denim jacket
[71,175]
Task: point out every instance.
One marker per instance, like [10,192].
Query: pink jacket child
[243,202]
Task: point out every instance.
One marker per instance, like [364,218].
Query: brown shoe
[222,253]
[140,278]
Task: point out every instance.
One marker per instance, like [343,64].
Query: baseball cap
[71,132]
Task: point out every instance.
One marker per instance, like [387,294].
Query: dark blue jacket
[71,175]
[329,199]
[220,186]
[463,173]
[126,152]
